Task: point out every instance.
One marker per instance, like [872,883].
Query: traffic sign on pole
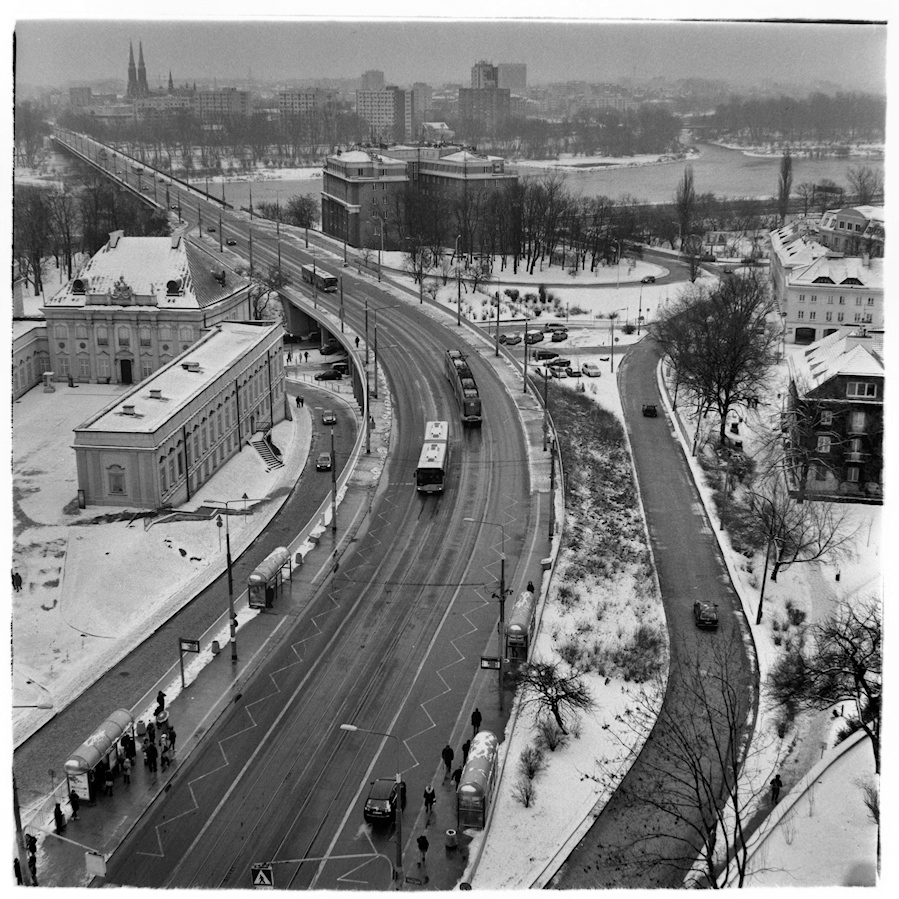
[263,877]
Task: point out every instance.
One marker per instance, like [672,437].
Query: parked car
[591,370]
[231,242]
[555,326]
[728,271]
[382,799]
[174,206]
[558,362]
[705,614]
[573,372]
[329,374]
[708,257]
[557,373]
[328,416]
[330,348]
[650,411]
[211,229]
[649,279]
[542,354]
[323,462]
[342,367]
[534,337]
[559,336]
[146,188]
[541,371]
[510,339]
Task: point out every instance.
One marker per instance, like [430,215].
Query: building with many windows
[298,102]
[137,304]
[484,108]
[833,424]
[853,230]
[388,112]
[157,444]
[484,76]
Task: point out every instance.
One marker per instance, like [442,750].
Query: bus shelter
[102,746]
[478,780]
[264,584]
[520,627]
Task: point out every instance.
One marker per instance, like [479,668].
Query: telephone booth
[478,780]
[520,627]
[265,583]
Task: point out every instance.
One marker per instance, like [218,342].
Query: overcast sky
[853,54]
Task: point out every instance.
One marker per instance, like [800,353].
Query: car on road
[329,374]
[541,371]
[649,279]
[559,362]
[557,373]
[650,410]
[542,354]
[211,229]
[559,336]
[323,462]
[573,372]
[705,614]
[174,206]
[555,326]
[534,337]
[146,188]
[382,798]
[591,370]
[330,348]
[728,271]
[161,180]
[328,417]
[510,339]
[231,242]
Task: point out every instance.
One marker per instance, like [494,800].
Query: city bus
[433,463]
[319,278]
[475,791]
[520,627]
[466,390]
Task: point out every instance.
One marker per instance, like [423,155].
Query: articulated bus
[460,377]
[320,278]
[433,464]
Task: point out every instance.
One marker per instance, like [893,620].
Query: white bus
[433,463]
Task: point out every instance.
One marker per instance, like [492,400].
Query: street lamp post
[612,338]
[617,263]
[398,867]
[232,617]
[381,250]
[458,286]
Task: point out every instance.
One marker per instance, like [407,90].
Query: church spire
[142,87]
[131,93]
[171,83]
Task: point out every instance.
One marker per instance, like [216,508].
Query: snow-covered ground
[568,161]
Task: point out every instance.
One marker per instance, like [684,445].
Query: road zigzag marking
[346,878]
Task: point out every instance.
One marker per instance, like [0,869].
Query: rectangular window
[124,339]
[855,445]
[840,316]
[860,390]
[856,423]
[828,316]
[826,417]
[811,315]
[823,445]
[869,317]
[820,472]
[842,301]
[857,317]
[102,340]
[858,301]
[852,474]
[62,363]
[802,298]
[800,313]
[84,366]
[870,301]
[117,481]
[830,301]
[180,464]
[814,298]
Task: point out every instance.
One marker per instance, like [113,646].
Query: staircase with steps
[260,444]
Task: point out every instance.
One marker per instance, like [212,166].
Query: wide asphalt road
[646,835]
[390,642]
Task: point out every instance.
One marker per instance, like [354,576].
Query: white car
[591,370]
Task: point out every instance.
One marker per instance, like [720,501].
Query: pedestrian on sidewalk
[476,720]
[447,754]
[108,782]
[306,354]
[160,701]
[776,786]
[357,341]
[126,771]
[146,750]
[302,401]
[59,819]
[289,358]
[75,802]
[151,732]
[530,587]
[466,746]
[164,757]
[430,799]
[172,736]
[422,850]
[152,755]
[32,866]
[457,776]
[17,581]
[17,867]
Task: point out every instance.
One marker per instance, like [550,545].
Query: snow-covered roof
[214,355]
[841,353]
[354,156]
[467,156]
[846,271]
[795,245]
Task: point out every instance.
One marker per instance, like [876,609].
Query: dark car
[231,242]
[174,206]
[708,257]
[650,411]
[342,367]
[211,229]
[323,462]
[328,417]
[534,337]
[542,354]
[382,798]
[573,372]
[649,279]
[558,362]
[329,374]
[330,348]
[559,336]
[513,339]
[728,271]
[705,614]
[146,188]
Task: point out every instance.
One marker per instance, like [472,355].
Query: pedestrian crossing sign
[263,879]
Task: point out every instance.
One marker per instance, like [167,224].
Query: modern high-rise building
[421,104]
[484,75]
[388,113]
[296,102]
[513,75]
[484,108]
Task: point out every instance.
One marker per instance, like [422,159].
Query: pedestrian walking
[430,799]
[776,785]
[126,771]
[447,756]
[107,790]
[152,755]
[465,747]
[306,355]
[146,750]
[75,802]
[530,587]
[422,850]
[59,819]
[17,867]
[457,776]
[160,701]
[476,720]
[151,732]
[172,736]
[357,342]
[302,401]
[16,581]
[32,866]
[164,757]
[289,358]
[163,742]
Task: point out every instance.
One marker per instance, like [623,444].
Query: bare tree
[784,186]
[841,661]
[263,287]
[685,201]
[866,184]
[806,192]
[554,688]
